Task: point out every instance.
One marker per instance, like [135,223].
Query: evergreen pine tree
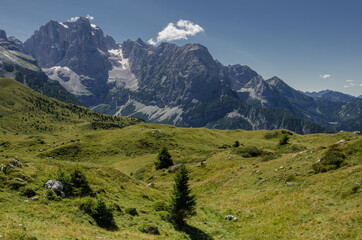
[163,159]
[182,203]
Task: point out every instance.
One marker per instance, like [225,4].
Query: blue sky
[298,41]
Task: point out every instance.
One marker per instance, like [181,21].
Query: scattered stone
[56,186]
[19,179]
[281,167]
[205,223]
[319,160]
[357,133]
[56,146]
[341,141]
[41,150]
[289,183]
[26,201]
[174,168]
[62,143]
[20,225]
[235,218]
[72,140]
[150,185]
[276,170]
[229,156]
[10,165]
[201,164]
[16,163]
[51,158]
[35,199]
[229,217]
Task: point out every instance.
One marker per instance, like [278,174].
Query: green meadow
[309,188]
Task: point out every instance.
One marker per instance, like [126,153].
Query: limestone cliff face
[179,85]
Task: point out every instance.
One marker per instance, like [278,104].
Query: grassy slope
[119,164]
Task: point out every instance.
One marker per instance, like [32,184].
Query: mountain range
[179,85]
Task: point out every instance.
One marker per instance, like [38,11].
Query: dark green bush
[164,159]
[14,185]
[75,184]
[267,156]
[131,211]
[332,159]
[236,144]
[99,211]
[52,196]
[290,178]
[284,140]
[28,192]
[248,152]
[150,229]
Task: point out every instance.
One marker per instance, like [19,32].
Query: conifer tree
[163,159]
[182,203]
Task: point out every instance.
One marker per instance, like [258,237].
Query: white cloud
[325,76]
[151,42]
[360,85]
[350,83]
[182,30]
[74,19]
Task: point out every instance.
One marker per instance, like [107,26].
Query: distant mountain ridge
[330,95]
[179,85]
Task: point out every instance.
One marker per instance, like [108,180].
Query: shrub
[163,159]
[247,152]
[103,215]
[236,144]
[14,185]
[290,178]
[52,196]
[332,159]
[28,192]
[79,184]
[87,205]
[99,211]
[131,211]
[268,156]
[284,140]
[150,229]
[75,184]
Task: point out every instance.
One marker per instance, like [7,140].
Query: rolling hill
[275,191]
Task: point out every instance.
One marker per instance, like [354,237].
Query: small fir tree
[182,203]
[236,144]
[164,159]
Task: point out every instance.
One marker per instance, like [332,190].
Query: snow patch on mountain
[233,114]
[94,26]
[71,81]
[153,113]
[121,74]
[64,25]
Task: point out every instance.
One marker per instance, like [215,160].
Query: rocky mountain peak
[2,34]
